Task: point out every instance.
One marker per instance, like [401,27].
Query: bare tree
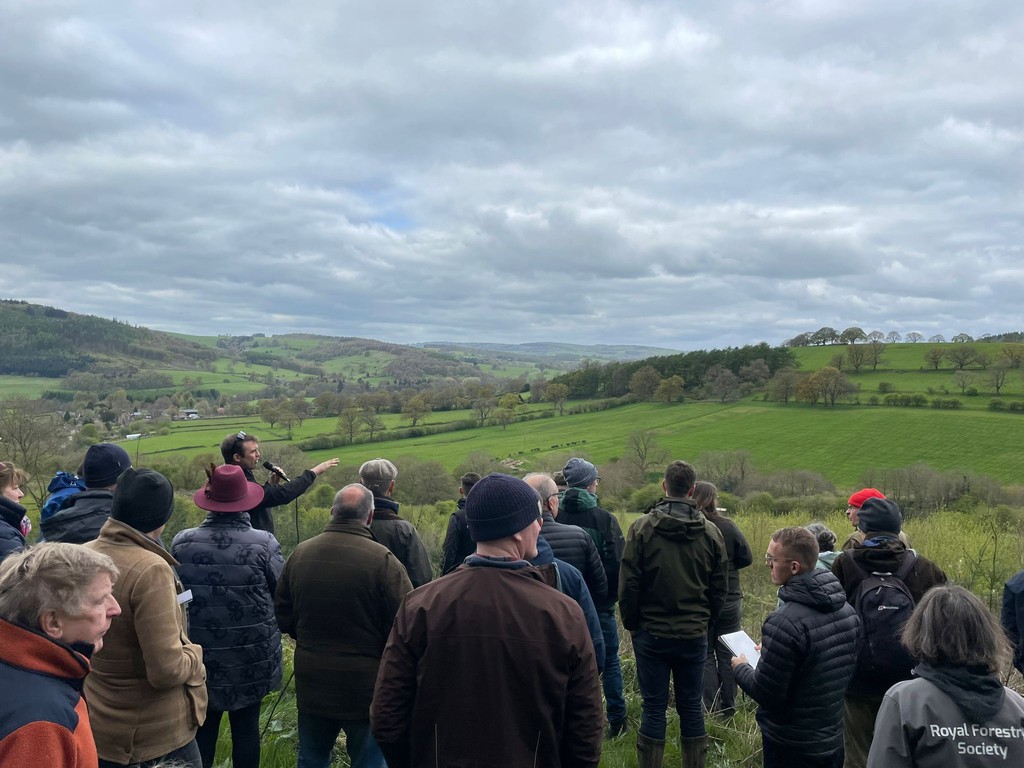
[997,375]
[783,384]
[961,356]
[875,351]
[33,438]
[963,380]
[350,422]
[642,446]
[934,357]
[914,337]
[892,337]
[856,356]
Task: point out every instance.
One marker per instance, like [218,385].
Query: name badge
[185,597]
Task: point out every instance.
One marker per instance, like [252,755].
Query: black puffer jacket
[232,570]
[808,655]
[578,506]
[573,545]
[80,519]
[736,550]
[11,540]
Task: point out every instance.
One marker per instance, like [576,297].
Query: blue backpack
[63,485]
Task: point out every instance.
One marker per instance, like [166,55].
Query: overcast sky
[686,175]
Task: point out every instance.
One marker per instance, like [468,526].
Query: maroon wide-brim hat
[227,490]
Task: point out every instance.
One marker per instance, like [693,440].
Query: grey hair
[826,539]
[542,483]
[53,576]
[343,507]
[952,626]
[378,475]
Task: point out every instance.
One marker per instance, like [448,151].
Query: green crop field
[26,386]
[840,443]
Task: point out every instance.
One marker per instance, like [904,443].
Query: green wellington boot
[695,752]
[649,752]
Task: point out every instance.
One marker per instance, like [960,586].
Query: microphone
[276,470]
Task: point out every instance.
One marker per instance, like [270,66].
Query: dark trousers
[183,757]
[245,736]
[783,756]
[657,660]
[859,714]
[611,677]
[719,681]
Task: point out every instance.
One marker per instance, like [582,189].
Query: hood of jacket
[880,554]
[676,520]
[978,693]
[577,500]
[818,590]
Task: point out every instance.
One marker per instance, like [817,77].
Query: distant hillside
[45,341]
[556,353]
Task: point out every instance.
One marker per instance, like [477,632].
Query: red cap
[857,500]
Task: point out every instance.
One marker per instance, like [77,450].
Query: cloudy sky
[678,174]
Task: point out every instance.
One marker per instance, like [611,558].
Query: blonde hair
[11,475]
[53,576]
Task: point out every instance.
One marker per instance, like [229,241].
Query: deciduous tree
[644,383]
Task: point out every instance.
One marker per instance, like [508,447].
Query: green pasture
[26,386]
[895,357]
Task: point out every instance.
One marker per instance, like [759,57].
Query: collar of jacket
[224,519]
[353,527]
[122,535]
[385,508]
[578,499]
[11,511]
[28,649]
[545,573]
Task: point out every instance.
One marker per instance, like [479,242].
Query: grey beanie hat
[579,473]
[880,516]
[500,506]
[144,499]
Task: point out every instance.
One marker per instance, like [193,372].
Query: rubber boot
[695,752]
[649,752]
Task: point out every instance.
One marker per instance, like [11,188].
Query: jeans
[318,734]
[657,660]
[782,756]
[245,736]
[719,681]
[182,757]
[611,679]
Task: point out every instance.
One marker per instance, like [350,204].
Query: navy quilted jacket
[232,570]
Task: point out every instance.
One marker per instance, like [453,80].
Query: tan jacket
[147,688]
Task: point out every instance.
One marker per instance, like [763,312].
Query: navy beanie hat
[579,473]
[103,463]
[880,516]
[499,506]
[144,499]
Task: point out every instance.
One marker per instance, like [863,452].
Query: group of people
[115,651]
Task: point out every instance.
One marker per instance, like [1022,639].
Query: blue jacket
[232,570]
[571,584]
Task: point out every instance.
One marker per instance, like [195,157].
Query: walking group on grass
[117,651]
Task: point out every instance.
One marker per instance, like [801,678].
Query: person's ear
[49,622]
[663,488]
[391,488]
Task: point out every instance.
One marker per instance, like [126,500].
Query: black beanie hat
[103,463]
[144,499]
[500,506]
[880,516]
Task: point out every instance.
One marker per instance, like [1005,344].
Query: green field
[840,443]
[26,386]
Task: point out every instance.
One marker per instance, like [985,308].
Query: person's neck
[504,548]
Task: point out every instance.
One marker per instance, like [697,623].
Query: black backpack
[884,604]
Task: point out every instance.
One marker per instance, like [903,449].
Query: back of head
[378,475]
[53,576]
[879,516]
[353,502]
[679,479]
[705,497]
[543,484]
[579,473]
[500,506]
[798,544]
[825,538]
[468,481]
[952,626]
[144,499]
[103,464]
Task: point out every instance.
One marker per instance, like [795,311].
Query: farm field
[839,443]
[26,386]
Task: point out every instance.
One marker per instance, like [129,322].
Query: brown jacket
[489,666]
[337,597]
[147,688]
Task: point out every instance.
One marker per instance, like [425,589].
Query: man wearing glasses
[244,450]
[808,656]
